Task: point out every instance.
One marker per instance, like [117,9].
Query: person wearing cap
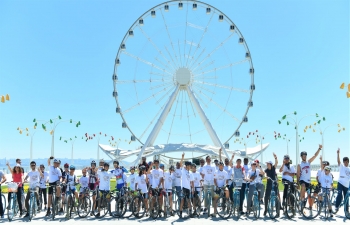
[105,184]
[259,183]
[304,175]
[120,177]
[168,185]
[186,184]
[343,180]
[55,175]
[208,184]
[252,177]
[43,181]
[270,172]
[288,173]
[220,181]
[326,181]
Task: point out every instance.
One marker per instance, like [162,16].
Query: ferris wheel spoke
[222,86]
[146,62]
[200,99]
[188,119]
[203,34]
[214,50]
[171,42]
[218,105]
[161,85]
[197,58]
[160,75]
[155,46]
[175,65]
[178,43]
[161,98]
[166,65]
[204,66]
[144,101]
[203,88]
[222,67]
[185,35]
[140,81]
[188,56]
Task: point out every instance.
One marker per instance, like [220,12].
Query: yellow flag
[342,86]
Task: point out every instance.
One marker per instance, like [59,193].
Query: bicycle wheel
[84,207]
[186,208]
[138,207]
[209,197]
[223,207]
[236,202]
[347,207]
[333,200]
[153,207]
[11,209]
[54,205]
[290,206]
[175,201]
[273,207]
[31,209]
[69,205]
[3,200]
[105,205]
[127,200]
[40,205]
[256,207]
[311,211]
[197,205]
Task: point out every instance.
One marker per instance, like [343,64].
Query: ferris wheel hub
[183,76]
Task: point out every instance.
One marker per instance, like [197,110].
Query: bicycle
[310,207]
[289,202]
[3,199]
[70,201]
[13,208]
[208,197]
[344,203]
[325,204]
[223,204]
[54,202]
[154,205]
[197,201]
[84,206]
[102,202]
[255,203]
[32,201]
[167,209]
[237,197]
[246,191]
[138,205]
[186,207]
[273,206]
[123,200]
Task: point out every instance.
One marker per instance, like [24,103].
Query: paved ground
[40,219]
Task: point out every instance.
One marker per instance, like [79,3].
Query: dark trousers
[242,196]
[268,194]
[230,190]
[19,197]
[286,190]
[1,208]
[43,193]
[341,191]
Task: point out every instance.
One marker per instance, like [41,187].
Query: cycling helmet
[66,165]
[161,165]
[132,168]
[328,168]
[93,162]
[303,153]
[106,164]
[72,167]
[194,165]
[187,163]
[221,163]
[55,161]
[156,161]
[142,168]
[59,161]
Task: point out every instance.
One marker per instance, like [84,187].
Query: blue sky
[57,58]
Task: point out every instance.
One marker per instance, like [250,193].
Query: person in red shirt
[17,176]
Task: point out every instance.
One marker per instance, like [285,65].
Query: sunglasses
[32,165]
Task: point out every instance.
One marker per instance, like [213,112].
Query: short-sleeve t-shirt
[34,179]
[118,173]
[271,174]
[168,181]
[1,175]
[208,172]
[255,173]
[177,179]
[197,180]
[132,181]
[344,175]
[157,174]
[221,177]
[44,179]
[105,179]
[84,182]
[71,180]
[186,179]
[326,180]
[290,170]
[141,183]
[54,174]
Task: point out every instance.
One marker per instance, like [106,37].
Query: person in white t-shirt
[132,179]
[177,179]
[84,183]
[43,181]
[252,177]
[141,183]
[105,183]
[70,180]
[34,183]
[55,175]
[326,181]
[187,185]
[208,183]
[157,181]
[344,179]
[220,181]
[168,186]
[288,173]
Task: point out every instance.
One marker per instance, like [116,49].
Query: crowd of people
[185,179]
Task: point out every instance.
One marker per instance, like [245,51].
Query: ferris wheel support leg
[214,137]
[158,126]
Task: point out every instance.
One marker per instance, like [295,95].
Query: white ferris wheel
[183,74]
